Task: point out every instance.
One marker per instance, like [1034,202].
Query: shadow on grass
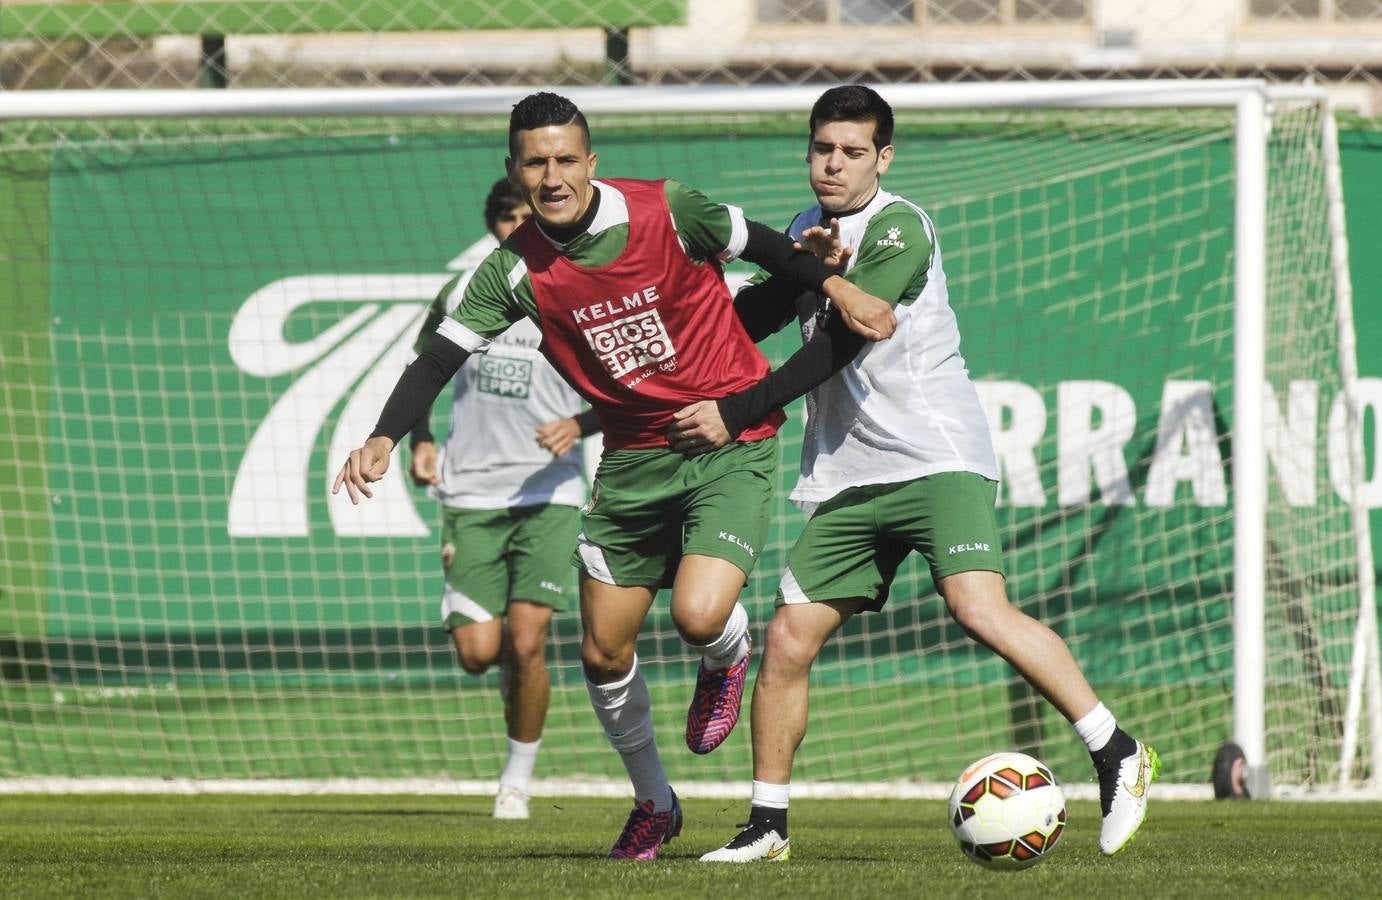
[463,813]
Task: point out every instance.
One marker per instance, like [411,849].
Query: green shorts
[649,507]
[492,556]
[853,544]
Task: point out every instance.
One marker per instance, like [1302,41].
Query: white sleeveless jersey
[491,459]
[905,407]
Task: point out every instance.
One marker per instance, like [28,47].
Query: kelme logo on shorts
[965,548]
[738,541]
[552,586]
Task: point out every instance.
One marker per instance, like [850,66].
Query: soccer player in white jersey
[511,483]
[896,457]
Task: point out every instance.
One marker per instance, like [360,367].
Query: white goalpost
[1151,280]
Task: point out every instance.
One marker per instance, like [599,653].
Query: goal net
[203,307]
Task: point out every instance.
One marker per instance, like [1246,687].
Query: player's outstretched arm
[710,424]
[412,396]
[765,308]
[862,312]
[826,244]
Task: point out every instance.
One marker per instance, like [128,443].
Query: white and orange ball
[1007,811]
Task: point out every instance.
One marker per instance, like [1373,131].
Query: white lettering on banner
[358,359]
[1187,447]
[1095,422]
[361,356]
[1290,442]
[1017,421]
[1082,445]
[1368,397]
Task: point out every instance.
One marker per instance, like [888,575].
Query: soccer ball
[1007,811]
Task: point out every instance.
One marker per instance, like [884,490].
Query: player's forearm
[588,422]
[429,326]
[421,432]
[774,252]
[765,308]
[418,386]
[830,349]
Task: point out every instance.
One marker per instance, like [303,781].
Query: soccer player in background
[511,482]
[896,457]
[623,279]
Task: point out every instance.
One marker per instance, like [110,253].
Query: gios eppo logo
[504,376]
[628,344]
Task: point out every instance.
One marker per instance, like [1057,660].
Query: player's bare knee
[605,664]
[528,649]
[699,630]
[789,648]
[980,617]
[700,617]
[473,663]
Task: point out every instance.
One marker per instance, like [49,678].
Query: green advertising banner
[200,325]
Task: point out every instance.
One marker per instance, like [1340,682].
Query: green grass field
[160,846]
[887,731]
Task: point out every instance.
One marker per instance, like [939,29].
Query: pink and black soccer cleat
[646,831]
[715,707]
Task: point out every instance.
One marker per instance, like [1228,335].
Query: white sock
[519,769]
[732,645]
[626,712]
[1096,727]
[772,796]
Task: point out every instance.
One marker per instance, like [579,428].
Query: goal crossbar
[301,102]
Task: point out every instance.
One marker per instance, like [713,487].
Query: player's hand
[424,465]
[558,437]
[826,245]
[698,429]
[862,313]
[364,467]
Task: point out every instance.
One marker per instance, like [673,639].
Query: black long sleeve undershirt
[767,307]
[773,251]
[418,387]
[421,433]
[588,422]
[832,347]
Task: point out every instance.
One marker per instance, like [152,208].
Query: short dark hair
[503,197]
[541,110]
[855,103]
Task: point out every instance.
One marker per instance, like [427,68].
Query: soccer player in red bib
[623,278]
